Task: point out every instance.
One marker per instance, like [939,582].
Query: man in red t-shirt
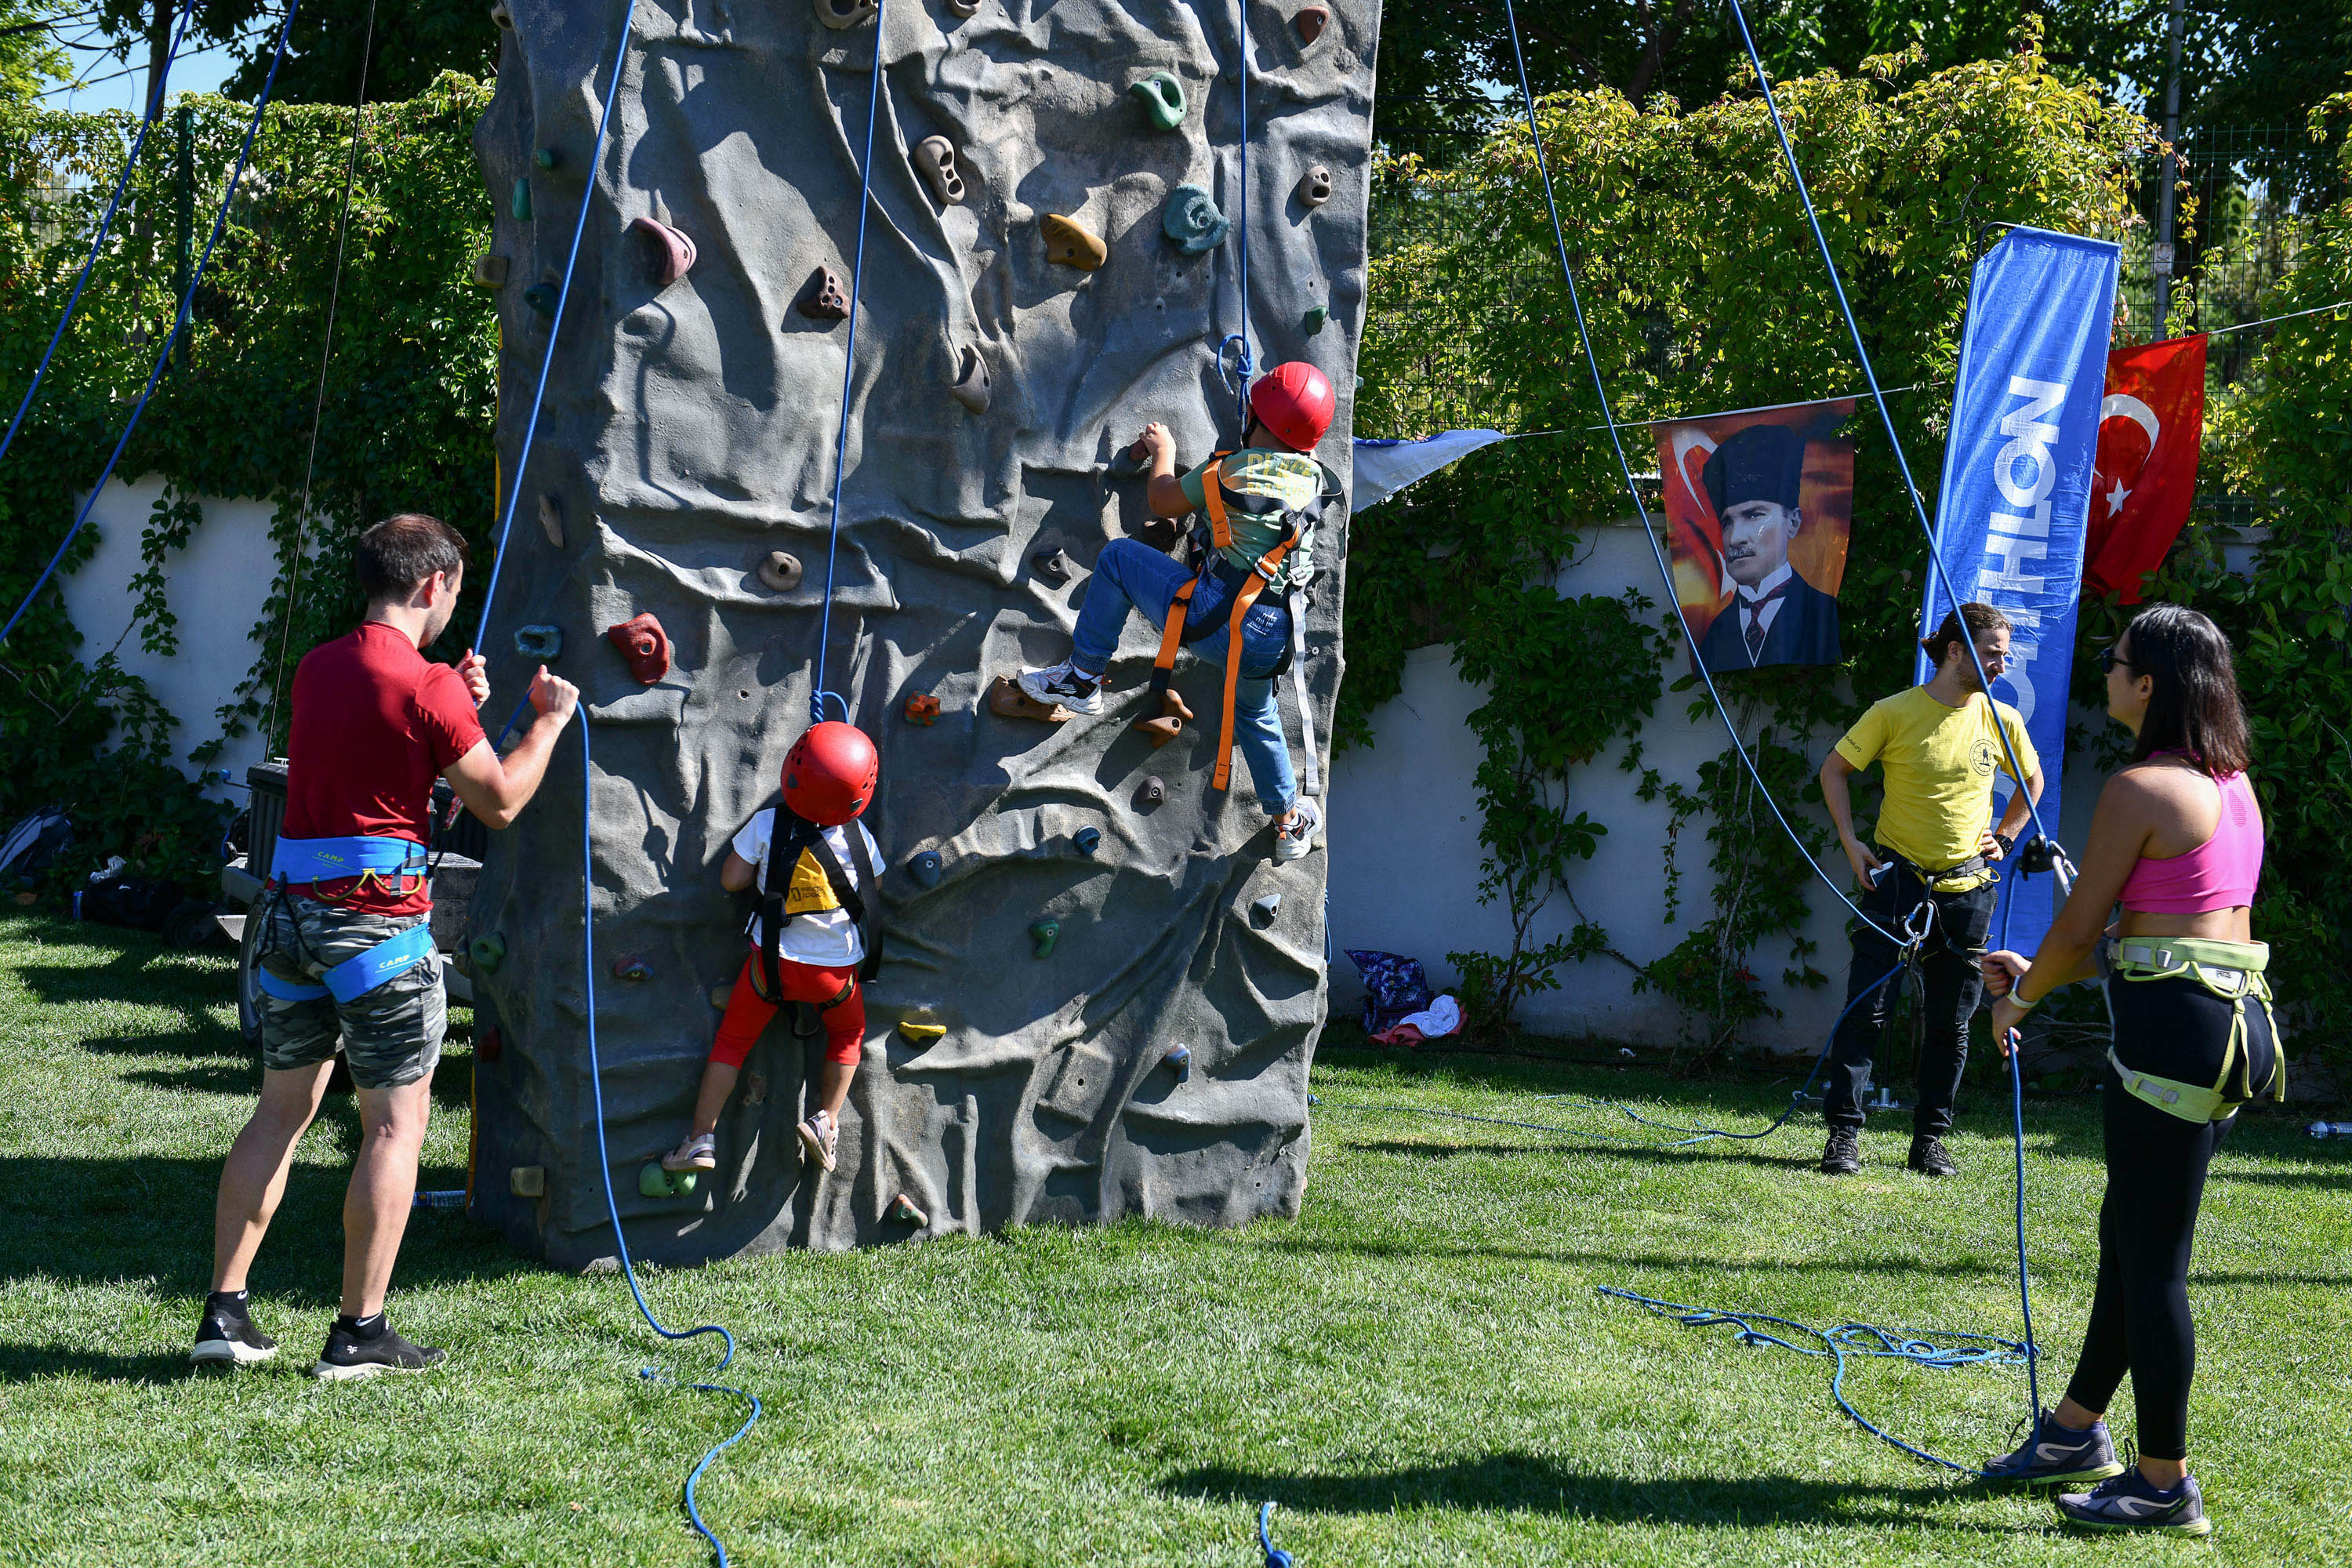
[346,964]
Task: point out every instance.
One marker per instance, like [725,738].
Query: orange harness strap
[1221,777]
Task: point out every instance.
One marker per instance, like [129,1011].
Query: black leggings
[2155,1178]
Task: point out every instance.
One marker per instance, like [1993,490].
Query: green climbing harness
[2232,971]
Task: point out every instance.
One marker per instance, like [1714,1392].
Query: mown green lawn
[1418,1369]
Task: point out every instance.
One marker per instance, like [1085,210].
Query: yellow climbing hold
[1069,243]
[920,1032]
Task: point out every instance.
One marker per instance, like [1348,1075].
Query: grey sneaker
[818,1136]
[2053,1455]
[1930,1158]
[1293,840]
[1067,684]
[1842,1155]
[2129,1503]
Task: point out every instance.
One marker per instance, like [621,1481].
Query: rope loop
[1238,378]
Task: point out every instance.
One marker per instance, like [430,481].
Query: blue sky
[198,69]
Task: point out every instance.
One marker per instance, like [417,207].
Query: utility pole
[2160,263]
[159,45]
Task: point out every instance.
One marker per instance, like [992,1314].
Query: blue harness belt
[317,861]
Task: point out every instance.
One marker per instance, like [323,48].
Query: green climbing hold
[521,206]
[543,298]
[488,953]
[1313,320]
[653,1181]
[1162,97]
[1192,221]
[1045,933]
[549,158]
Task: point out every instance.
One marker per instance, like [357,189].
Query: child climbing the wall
[813,933]
[1263,503]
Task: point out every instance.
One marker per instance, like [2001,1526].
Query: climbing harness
[2231,971]
[179,324]
[791,836]
[604,1165]
[366,858]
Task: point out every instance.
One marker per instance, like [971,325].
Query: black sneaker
[227,1338]
[2054,1455]
[1842,1155]
[2129,1503]
[1930,1158]
[348,1356]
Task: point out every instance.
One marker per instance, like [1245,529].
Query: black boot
[1842,1156]
[1929,1157]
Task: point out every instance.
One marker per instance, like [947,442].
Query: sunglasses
[2109,659]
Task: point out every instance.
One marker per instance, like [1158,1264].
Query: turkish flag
[2150,425]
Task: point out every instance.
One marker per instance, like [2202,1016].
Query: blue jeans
[1129,574]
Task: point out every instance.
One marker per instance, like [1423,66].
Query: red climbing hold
[1295,401]
[643,643]
[1170,723]
[922,709]
[674,254]
[824,299]
[1310,22]
[830,773]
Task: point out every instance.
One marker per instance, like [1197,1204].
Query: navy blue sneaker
[2130,1502]
[2054,1455]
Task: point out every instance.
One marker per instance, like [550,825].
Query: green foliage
[405,422]
[1703,292]
[29,56]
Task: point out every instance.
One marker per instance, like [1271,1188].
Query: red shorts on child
[748,1012]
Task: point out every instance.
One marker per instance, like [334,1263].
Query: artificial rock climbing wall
[1054,249]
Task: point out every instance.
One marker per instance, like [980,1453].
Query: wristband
[2020,1002]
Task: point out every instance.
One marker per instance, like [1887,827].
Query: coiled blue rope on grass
[1274,1556]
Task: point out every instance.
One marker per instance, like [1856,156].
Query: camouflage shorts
[391,1036]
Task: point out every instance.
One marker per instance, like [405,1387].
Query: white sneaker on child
[1292,839]
[697,1154]
[1067,684]
[818,1135]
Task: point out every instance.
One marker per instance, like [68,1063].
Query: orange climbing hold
[1069,243]
[922,708]
[1007,700]
[1310,22]
[1170,722]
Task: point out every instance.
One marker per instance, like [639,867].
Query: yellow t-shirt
[1939,764]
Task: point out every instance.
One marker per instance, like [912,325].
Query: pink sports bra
[2219,874]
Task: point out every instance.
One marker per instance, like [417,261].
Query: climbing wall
[1053,251]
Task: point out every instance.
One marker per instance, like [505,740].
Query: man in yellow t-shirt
[1932,864]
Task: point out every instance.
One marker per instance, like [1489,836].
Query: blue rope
[555,324]
[97,241]
[1240,379]
[1869,375]
[818,694]
[1624,467]
[1274,1556]
[179,325]
[604,1163]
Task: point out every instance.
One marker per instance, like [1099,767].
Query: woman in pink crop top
[2174,852]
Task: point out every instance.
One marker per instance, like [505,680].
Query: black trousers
[2156,1179]
[1953,982]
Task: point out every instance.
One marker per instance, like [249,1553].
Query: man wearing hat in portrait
[1753,478]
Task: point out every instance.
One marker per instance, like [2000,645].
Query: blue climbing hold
[1179,1061]
[926,867]
[1087,839]
[538,642]
[1192,221]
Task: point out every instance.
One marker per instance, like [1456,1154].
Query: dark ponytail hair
[2193,708]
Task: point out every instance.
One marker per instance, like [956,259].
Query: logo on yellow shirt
[1981,757]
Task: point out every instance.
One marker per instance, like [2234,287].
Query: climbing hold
[964,8]
[1069,243]
[904,1211]
[550,520]
[542,297]
[1178,1060]
[1312,322]
[972,381]
[935,160]
[1045,933]
[1310,22]
[526,1181]
[520,203]
[1170,722]
[926,867]
[1151,791]
[489,271]
[1007,700]
[842,14]
[915,1030]
[1162,97]
[780,570]
[488,953]
[673,251]
[721,995]
[922,708]
[643,643]
[1087,839]
[541,643]
[1051,565]
[1315,186]
[489,1046]
[824,299]
[501,16]
[1262,910]
[549,158]
[1192,221]
[636,970]
[653,1181]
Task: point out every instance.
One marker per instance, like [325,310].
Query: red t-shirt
[374,724]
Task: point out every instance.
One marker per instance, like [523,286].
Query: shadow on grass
[23,1363]
[1587,1144]
[1527,1483]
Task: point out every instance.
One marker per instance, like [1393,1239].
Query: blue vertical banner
[2015,503]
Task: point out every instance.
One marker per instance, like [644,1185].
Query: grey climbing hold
[1315,186]
[1087,839]
[1150,793]
[1045,933]
[543,643]
[824,299]
[488,953]
[935,160]
[1178,1060]
[501,16]
[780,570]
[1192,221]
[520,204]
[721,995]
[550,520]
[526,1181]
[489,271]
[966,9]
[673,250]
[1051,566]
[926,867]
[549,158]
[1312,322]
[1162,97]
[972,381]
[1262,910]
[842,14]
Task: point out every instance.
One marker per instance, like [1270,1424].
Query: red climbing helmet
[829,773]
[1296,402]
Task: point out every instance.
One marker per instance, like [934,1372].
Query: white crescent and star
[1686,438]
[2124,405]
